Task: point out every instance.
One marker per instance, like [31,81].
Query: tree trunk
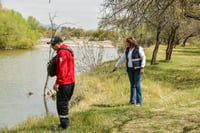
[154,56]
[168,46]
[169,52]
[184,42]
[171,43]
[45,86]
[45,105]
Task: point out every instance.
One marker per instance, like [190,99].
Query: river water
[24,71]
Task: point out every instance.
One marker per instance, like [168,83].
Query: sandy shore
[77,43]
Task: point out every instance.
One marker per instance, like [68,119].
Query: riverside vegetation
[16,32]
[171,92]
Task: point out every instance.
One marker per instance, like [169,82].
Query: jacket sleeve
[61,68]
[142,56]
[121,60]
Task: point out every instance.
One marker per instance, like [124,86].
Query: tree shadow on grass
[180,79]
[109,105]
[188,53]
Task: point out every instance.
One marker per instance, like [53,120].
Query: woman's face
[127,44]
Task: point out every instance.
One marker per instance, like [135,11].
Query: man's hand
[55,87]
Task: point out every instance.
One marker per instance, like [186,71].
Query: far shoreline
[77,43]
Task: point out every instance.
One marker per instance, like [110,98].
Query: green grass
[171,94]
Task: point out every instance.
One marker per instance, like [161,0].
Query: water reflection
[24,71]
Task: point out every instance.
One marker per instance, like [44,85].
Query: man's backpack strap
[68,50]
[51,67]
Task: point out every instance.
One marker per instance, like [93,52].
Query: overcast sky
[83,13]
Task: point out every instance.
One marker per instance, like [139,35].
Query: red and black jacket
[65,66]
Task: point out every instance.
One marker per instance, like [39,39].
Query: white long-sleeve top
[130,64]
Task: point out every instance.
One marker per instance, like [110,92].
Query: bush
[16,31]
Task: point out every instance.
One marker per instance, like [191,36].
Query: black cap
[54,40]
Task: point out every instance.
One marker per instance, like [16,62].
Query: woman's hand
[141,70]
[115,69]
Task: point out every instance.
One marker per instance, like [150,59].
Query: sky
[77,13]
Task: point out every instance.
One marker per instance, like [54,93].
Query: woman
[135,62]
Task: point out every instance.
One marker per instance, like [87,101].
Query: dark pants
[63,96]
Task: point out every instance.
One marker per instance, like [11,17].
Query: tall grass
[171,94]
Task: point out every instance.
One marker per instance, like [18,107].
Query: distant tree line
[92,35]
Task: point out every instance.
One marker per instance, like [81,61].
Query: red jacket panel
[65,66]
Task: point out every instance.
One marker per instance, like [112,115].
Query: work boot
[59,128]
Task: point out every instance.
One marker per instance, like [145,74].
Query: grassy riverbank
[171,92]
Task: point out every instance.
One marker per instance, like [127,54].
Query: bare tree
[195,31]
[171,41]
[131,14]
[191,9]
[90,56]
[170,34]
[53,32]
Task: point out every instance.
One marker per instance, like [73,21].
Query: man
[65,81]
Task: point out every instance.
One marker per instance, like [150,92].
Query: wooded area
[169,22]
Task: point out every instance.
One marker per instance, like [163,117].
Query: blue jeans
[135,85]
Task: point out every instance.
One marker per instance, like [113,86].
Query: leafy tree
[66,32]
[97,35]
[101,35]
[34,24]
[78,32]
[15,31]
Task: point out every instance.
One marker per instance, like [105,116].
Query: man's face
[55,46]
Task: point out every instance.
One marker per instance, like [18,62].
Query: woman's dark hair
[130,41]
